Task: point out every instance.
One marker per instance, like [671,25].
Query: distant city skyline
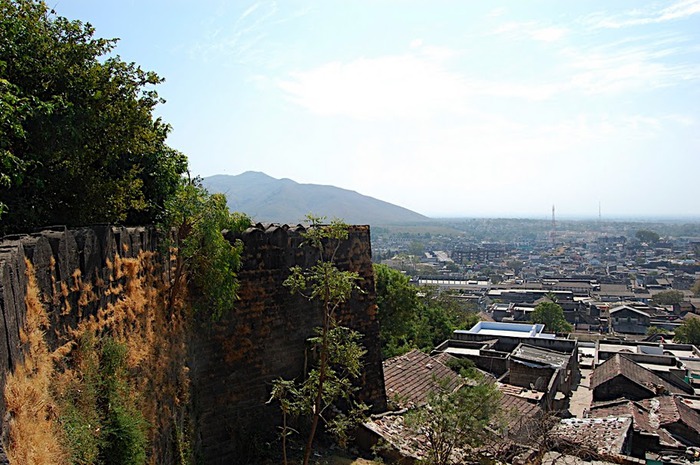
[450,109]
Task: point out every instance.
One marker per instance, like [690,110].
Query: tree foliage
[688,332]
[415,318]
[671,297]
[456,422]
[339,350]
[397,303]
[205,261]
[552,316]
[654,330]
[645,235]
[78,140]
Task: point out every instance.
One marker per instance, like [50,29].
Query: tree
[552,316]
[671,297]
[654,330]
[456,422]
[79,143]
[688,332]
[645,235]
[413,318]
[416,248]
[205,261]
[339,350]
[516,265]
[397,304]
[442,312]
[696,288]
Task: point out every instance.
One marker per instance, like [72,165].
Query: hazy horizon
[547,216]
[444,108]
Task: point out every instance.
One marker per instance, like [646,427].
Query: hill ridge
[284,200]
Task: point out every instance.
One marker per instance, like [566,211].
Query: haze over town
[445,108]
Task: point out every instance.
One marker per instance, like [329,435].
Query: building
[630,320]
[619,377]
[500,329]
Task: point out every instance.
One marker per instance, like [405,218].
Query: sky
[448,108]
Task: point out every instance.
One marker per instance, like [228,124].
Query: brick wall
[264,338]
[232,362]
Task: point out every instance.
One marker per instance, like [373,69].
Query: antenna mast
[554,223]
[554,226]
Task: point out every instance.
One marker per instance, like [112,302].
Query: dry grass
[34,435]
[137,316]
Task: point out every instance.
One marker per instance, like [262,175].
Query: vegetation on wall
[34,435]
[71,111]
[116,389]
[205,261]
[337,348]
[99,415]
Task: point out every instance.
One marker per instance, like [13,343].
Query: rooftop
[631,309]
[604,435]
[541,356]
[410,378]
[494,328]
[643,419]
[618,365]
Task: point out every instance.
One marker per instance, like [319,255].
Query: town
[614,384]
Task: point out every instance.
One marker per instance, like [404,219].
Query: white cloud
[620,68]
[678,10]
[511,27]
[374,88]
[496,12]
[549,34]
[409,86]
[533,30]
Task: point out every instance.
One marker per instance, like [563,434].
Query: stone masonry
[232,361]
[265,337]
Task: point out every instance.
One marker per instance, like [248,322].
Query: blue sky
[449,108]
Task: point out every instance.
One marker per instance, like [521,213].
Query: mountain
[267,199]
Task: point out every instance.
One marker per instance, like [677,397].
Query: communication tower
[553,232]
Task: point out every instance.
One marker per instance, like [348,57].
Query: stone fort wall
[231,362]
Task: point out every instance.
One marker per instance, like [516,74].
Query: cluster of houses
[588,305]
[605,282]
[605,393]
[611,400]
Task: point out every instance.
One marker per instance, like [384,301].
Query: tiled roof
[443,357]
[645,420]
[390,427]
[603,435]
[628,308]
[618,365]
[671,410]
[521,392]
[414,444]
[517,411]
[409,378]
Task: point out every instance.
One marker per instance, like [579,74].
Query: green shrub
[100,418]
